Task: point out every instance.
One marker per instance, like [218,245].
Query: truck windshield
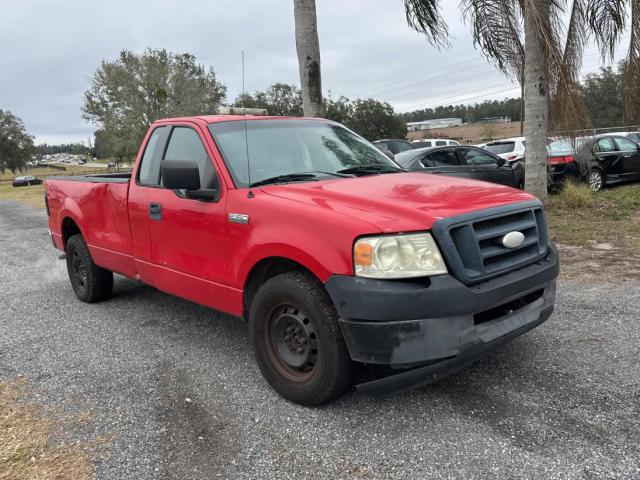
[286,147]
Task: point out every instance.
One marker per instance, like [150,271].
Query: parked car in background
[393,146]
[111,165]
[463,161]
[562,164]
[607,159]
[510,149]
[433,142]
[26,181]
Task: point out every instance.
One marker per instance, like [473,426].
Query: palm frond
[497,30]
[424,17]
[567,111]
[606,19]
[577,36]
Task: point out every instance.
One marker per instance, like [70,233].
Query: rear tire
[297,340]
[90,282]
[595,179]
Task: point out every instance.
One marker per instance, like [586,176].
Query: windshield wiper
[371,169]
[335,174]
[289,177]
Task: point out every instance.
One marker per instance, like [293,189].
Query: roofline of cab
[209,119]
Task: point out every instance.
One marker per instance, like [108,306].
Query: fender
[262,252]
[71,210]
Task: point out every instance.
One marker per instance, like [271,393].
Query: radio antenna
[246,135]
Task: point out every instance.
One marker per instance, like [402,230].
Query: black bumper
[558,175]
[411,323]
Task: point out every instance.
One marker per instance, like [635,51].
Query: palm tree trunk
[536,99]
[521,106]
[632,69]
[308,49]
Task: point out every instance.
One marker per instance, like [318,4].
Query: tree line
[72,148]
[508,107]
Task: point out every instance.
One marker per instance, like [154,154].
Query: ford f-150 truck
[333,253]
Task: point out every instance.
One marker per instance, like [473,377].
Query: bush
[573,195]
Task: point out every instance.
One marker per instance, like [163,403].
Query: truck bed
[99,201]
[97,178]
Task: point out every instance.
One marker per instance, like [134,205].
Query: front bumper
[410,323]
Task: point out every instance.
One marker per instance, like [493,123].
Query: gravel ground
[562,401]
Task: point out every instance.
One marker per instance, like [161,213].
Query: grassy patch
[32,195]
[582,218]
[26,452]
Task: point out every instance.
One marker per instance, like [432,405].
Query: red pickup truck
[333,253]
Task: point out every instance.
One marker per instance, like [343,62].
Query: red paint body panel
[100,211]
[194,252]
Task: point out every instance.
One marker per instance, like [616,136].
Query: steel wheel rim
[595,181]
[291,342]
[79,270]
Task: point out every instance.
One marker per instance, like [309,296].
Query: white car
[433,142]
[511,149]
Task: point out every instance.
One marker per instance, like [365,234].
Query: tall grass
[573,196]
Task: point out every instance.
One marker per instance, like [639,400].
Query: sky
[51,48]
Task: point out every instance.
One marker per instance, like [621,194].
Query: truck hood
[400,202]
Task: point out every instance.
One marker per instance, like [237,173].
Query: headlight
[398,256]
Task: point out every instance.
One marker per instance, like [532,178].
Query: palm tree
[510,31]
[546,67]
[308,49]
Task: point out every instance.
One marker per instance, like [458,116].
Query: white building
[435,123]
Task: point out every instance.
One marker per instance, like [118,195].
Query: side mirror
[388,154]
[501,161]
[180,175]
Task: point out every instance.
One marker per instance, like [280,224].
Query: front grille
[473,245]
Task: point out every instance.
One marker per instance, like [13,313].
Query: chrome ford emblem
[513,239]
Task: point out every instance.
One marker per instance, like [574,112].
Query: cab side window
[185,144]
[149,171]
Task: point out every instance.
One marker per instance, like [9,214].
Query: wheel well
[69,228]
[264,270]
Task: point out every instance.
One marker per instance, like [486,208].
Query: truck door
[188,236]
[146,178]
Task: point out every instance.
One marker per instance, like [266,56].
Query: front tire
[595,180]
[297,340]
[90,282]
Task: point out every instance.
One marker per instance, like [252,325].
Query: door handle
[155,211]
